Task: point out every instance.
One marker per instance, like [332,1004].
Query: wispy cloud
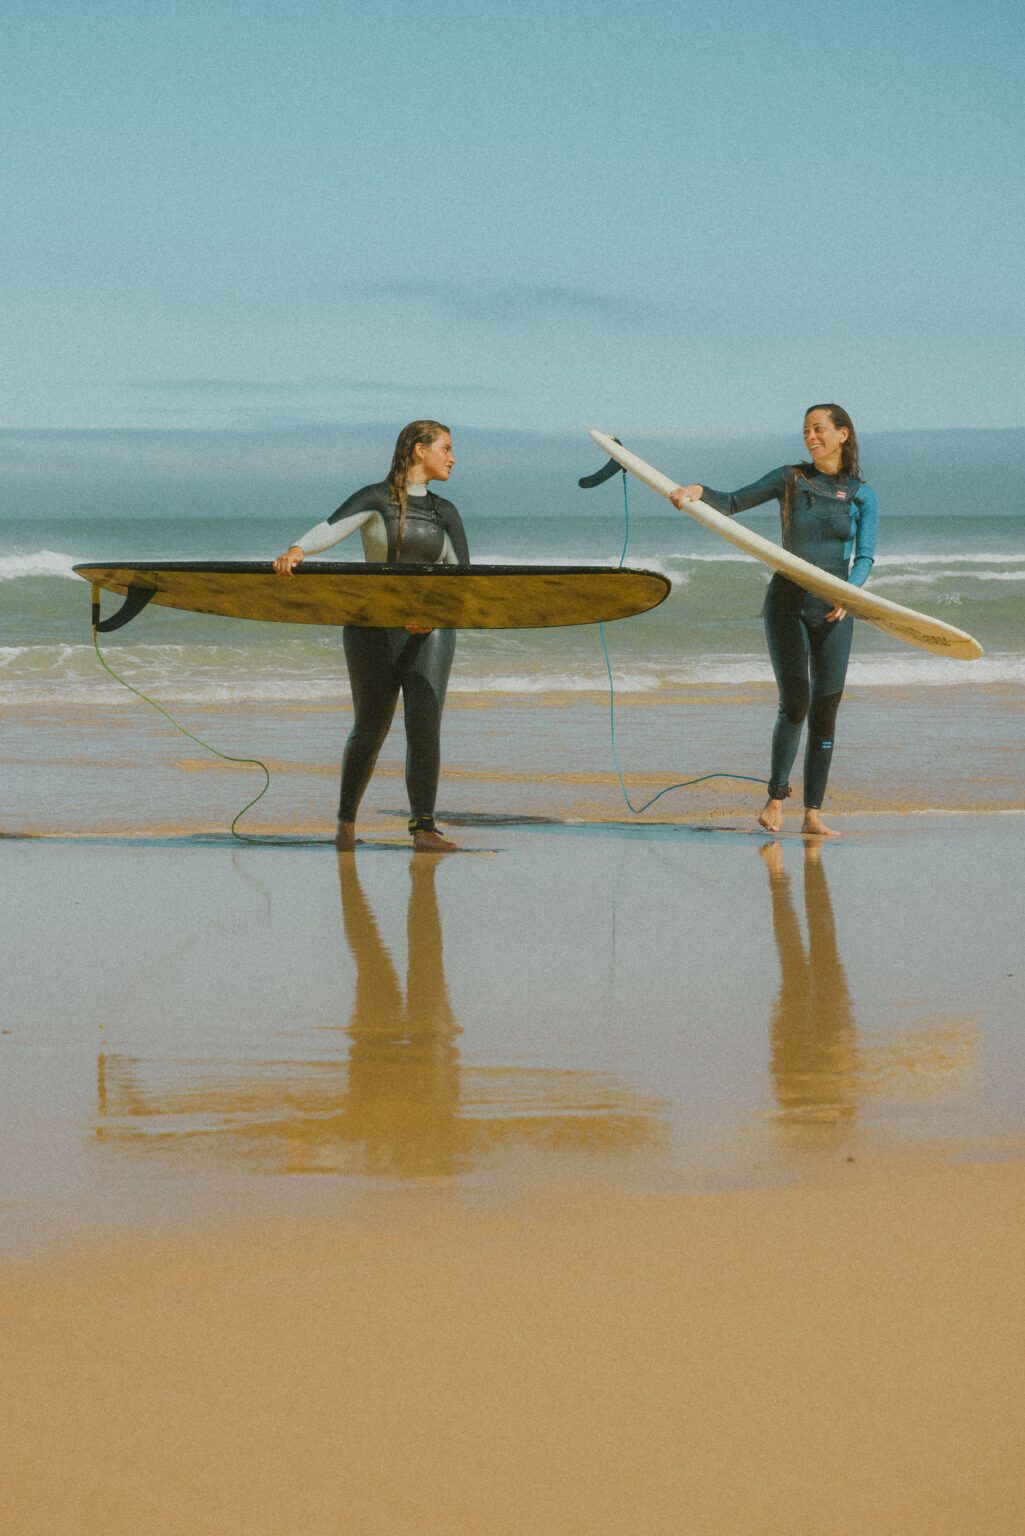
[275,388]
[511,303]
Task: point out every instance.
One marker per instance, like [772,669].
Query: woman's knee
[793,702]
[368,736]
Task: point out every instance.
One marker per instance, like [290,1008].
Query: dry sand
[837,1358]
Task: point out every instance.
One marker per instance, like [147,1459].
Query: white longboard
[892,618]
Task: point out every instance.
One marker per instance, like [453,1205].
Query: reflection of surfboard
[380,596]
[894,619]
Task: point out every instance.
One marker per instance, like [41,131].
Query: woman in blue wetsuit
[829,518]
[400,519]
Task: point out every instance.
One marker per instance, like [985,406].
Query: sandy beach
[613,1175]
[838,1357]
[626,1169]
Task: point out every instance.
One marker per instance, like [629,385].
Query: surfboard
[906,624]
[380,596]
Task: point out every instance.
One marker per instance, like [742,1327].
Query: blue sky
[655,218]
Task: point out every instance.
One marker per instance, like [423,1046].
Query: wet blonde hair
[425,432]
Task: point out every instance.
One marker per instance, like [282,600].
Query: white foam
[950,559]
[559,682]
[658,565]
[174,675]
[41,562]
[893,671]
[934,578]
[934,671]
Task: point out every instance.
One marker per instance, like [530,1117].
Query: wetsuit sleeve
[456,541]
[324,535]
[356,510]
[769,488]
[864,537]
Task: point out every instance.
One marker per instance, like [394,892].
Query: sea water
[969,572]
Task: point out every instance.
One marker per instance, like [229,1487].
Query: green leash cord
[227,757]
[638,810]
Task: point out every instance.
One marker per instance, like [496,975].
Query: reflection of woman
[814,1051]
[403,1098]
[405,1104]
[829,518]
[400,519]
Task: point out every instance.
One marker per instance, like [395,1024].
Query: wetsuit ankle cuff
[421,824]
[779,791]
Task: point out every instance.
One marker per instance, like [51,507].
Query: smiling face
[433,461]
[824,441]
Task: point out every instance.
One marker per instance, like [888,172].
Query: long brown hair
[850,463]
[425,432]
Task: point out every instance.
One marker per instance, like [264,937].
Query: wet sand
[120,767]
[655,1177]
[195,1027]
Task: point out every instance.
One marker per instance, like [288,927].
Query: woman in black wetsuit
[399,519]
[829,518]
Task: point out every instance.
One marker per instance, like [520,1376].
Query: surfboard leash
[228,757]
[638,810]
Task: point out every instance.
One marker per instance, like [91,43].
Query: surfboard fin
[135,601]
[608,469]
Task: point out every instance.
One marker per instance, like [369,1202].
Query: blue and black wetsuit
[829,520]
[383,663]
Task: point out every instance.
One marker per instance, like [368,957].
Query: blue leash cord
[638,810]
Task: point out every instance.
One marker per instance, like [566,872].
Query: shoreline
[901,752]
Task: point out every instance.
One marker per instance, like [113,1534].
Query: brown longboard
[381,596]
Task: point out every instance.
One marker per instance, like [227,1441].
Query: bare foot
[345,836]
[432,842]
[771,817]
[814,826]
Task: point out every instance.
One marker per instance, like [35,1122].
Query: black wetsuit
[832,523]
[383,663]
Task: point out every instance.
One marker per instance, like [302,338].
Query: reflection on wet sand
[814,1057]
[823,1069]
[402,1105]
